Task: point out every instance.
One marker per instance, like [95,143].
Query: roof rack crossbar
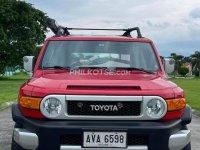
[128,32]
[96,29]
[63,31]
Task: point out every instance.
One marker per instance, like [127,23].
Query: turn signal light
[176,104]
[30,102]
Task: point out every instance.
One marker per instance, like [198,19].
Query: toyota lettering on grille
[106,107]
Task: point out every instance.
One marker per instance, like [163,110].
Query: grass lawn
[9,86]
[191,88]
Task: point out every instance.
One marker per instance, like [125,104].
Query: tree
[177,59]
[187,60]
[196,61]
[22,28]
[183,71]
[36,51]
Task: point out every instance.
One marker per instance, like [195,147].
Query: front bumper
[46,134]
[179,140]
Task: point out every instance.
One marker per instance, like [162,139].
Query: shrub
[183,71]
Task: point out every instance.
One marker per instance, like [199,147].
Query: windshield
[107,54]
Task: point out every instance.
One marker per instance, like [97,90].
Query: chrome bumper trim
[179,140]
[25,139]
[65,147]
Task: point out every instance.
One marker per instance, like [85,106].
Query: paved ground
[195,128]
[6,126]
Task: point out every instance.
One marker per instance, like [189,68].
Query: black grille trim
[89,87]
[83,108]
[137,140]
[71,139]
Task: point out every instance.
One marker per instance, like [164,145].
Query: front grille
[92,108]
[137,140]
[71,139]
[76,140]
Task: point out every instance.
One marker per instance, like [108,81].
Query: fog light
[156,108]
[51,107]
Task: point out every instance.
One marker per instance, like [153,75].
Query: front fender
[187,115]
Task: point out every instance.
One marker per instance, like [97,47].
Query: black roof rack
[63,31]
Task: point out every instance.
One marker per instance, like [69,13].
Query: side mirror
[169,65]
[29,63]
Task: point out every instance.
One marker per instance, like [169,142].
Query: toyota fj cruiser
[99,92]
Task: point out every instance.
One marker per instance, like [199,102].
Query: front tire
[188,147]
[15,146]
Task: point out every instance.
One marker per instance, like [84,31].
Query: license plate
[105,139]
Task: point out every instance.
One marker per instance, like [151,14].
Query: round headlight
[156,108]
[51,107]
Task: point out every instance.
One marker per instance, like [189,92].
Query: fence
[9,71]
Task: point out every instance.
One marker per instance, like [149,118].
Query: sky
[173,25]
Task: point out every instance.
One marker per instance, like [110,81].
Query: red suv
[99,92]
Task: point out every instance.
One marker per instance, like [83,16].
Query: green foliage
[196,73]
[183,71]
[196,62]
[177,59]
[22,28]
[191,89]
[37,51]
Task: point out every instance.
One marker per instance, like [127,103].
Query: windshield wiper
[57,67]
[115,68]
[92,67]
[133,68]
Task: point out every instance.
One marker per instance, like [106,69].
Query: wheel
[188,147]
[15,146]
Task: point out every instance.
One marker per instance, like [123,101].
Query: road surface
[6,126]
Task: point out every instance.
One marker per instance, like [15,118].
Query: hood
[65,80]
